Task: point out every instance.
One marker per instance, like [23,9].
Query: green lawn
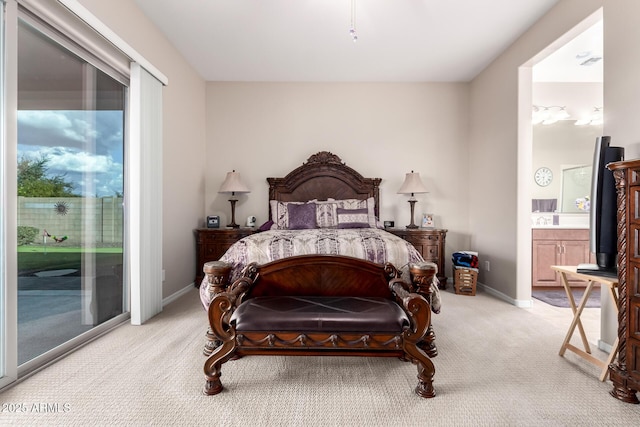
[32,259]
[61,249]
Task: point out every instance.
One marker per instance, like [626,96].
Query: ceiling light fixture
[591,61]
[352,29]
[548,114]
[594,119]
[583,54]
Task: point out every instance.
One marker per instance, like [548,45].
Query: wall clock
[543,176]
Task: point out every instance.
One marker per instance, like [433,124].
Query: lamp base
[412,202]
[233,214]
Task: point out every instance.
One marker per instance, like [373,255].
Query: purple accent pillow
[266,226]
[302,216]
[353,218]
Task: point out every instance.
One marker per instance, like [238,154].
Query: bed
[321,207]
[321,278]
[325,181]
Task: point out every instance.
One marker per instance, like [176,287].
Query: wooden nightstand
[212,243]
[430,242]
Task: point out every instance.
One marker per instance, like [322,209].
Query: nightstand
[430,242]
[212,243]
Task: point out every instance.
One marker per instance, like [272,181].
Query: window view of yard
[70,194]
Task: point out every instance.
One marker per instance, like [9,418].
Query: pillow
[351,203]
[280,215]
[301,216]
[326,215]
[266,226]
[369,204]
[353,218]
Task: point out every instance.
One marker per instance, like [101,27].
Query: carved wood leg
[426,370]
[429,344]
[217,273]
[620,388]
[211,343]
[213,366]
[425,381]
[422,277]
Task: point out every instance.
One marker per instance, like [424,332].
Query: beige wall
[503,148]
[184,135]
[381,130]
[463,139]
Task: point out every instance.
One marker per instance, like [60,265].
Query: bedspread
[372,244]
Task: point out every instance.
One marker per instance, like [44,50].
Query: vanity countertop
[559,220]
[564,227]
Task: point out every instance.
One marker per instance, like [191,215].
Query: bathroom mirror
[575,189]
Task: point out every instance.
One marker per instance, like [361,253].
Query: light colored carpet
[498,365]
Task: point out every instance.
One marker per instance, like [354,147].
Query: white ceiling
[308,40]
[564,65]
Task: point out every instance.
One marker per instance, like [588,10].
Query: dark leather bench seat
[320,314]
[321,305]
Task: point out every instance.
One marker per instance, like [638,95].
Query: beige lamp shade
[412,184]
[233,184]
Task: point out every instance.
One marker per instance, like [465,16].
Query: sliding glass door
[70,192]
[80,224]
[8,371]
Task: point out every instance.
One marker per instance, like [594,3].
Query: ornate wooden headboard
[324,175]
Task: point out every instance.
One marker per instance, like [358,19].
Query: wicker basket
[464,280]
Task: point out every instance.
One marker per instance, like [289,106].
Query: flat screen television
[603,238]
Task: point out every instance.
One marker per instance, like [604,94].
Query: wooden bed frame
[324,175]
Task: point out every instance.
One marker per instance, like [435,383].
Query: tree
[34,182]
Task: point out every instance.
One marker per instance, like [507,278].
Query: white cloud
[65,159]
[84,146]
[53,121]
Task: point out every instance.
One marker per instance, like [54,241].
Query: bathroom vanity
[557,246]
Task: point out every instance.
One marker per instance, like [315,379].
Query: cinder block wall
[85,221]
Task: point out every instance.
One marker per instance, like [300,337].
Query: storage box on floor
[465,272]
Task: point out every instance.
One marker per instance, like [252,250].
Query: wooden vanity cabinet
[557,247]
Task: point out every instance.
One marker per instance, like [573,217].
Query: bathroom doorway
[568,113]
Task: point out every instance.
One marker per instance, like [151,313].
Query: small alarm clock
[213,221]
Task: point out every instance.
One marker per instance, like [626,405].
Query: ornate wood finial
[324,157]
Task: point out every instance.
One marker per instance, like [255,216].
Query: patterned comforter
[372,244]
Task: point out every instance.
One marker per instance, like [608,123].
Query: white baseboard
[606,347]
[503,297]
[190,287]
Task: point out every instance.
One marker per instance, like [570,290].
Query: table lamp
[233,184]
[412,184]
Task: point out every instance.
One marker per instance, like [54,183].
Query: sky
[85,146]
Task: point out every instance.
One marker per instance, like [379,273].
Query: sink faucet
[542,221]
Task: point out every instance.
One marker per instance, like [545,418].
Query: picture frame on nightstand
[428,220]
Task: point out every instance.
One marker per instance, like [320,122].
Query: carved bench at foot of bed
[321,306]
